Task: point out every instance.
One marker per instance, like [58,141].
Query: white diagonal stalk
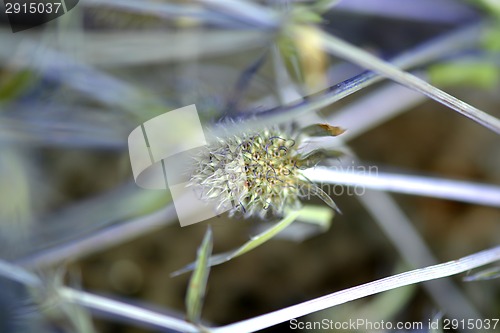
[125,310]
[415,276]
[340,48]
[412,248]
[469,192]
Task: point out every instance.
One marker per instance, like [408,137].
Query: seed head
[256,174]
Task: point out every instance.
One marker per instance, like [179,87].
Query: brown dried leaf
[332,130]
[322,130]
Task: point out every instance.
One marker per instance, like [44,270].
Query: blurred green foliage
[483,71]
[476,74]
[12,85]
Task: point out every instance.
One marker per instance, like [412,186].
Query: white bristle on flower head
[256,173]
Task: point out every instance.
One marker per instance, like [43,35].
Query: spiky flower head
[258,173]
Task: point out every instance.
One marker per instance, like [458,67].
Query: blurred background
[73,89]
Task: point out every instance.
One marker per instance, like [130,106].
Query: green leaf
[198,282]
[248,246]
[491,38]
[478,74]
[316,215]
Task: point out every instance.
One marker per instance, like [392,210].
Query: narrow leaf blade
[198,282]
[248,246]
